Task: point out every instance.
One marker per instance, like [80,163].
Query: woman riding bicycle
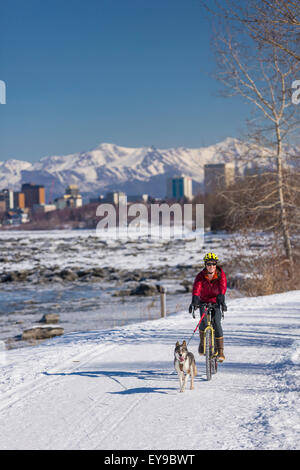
[210,287]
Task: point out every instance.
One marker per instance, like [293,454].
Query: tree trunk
[282,208]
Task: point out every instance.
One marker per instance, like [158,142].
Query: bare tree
[273,22]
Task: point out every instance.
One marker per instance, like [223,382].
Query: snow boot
[201,344]
[220,348]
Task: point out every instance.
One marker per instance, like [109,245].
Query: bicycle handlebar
[204,304]
[223,308]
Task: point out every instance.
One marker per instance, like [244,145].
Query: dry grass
[265,275]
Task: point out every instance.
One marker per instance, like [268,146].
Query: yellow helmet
[211,257]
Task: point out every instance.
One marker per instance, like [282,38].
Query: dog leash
[198,324]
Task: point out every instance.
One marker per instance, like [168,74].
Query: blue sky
[130,72]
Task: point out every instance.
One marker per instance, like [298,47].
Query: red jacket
[208,290]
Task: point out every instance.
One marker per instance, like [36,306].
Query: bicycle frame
[211,328]
[210,351]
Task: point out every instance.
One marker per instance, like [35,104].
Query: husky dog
[184,363]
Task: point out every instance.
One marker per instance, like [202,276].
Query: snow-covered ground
[21,250]
[117,389]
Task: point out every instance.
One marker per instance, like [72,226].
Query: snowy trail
[117,389]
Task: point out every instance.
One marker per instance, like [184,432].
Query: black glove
[221,302]
[195,303]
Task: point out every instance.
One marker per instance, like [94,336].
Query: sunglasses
[211,264]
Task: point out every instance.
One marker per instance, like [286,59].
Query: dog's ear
[177,344]
[184,343]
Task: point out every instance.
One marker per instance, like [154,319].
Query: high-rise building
[19,200]
[180,187]
[71,198]
[115,197]
[6,200]
[72,190]
[2,203]
[34,194]
[218,176]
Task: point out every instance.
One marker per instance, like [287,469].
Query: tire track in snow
[115,415]
[267,428]
[24,390]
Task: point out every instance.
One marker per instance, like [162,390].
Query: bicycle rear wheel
[208,358]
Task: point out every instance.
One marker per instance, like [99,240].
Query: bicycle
[209,346]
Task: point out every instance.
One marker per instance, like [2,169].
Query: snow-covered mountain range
[110,167]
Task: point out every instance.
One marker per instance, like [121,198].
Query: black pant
[216,321]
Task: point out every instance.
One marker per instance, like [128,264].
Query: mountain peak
[110,147]
[110,167]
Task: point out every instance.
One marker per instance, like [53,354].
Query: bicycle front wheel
[214,362]
[208,357]
[214,368]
